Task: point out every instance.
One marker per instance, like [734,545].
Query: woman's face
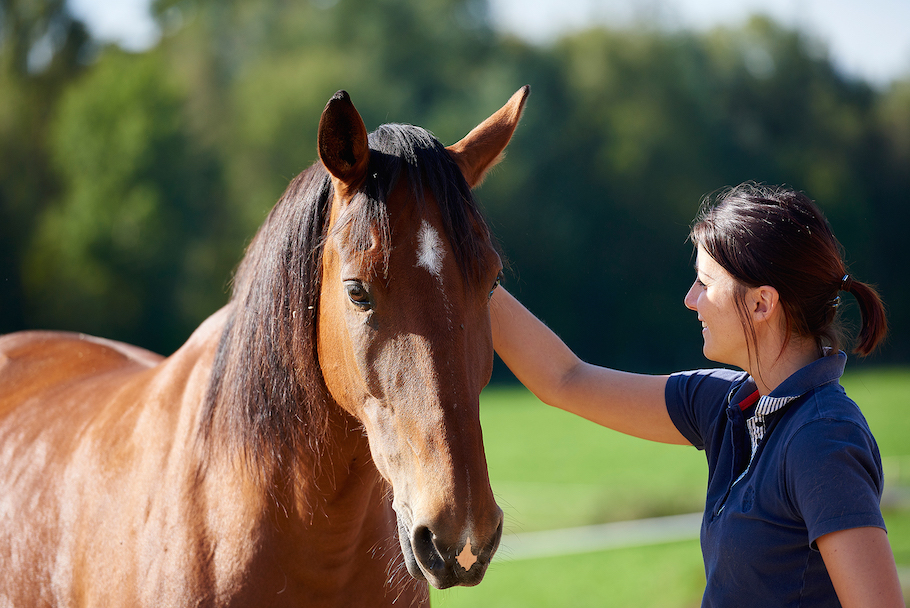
[713,297]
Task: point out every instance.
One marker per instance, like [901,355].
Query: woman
[792,516]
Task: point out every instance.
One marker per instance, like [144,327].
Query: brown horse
[272,459]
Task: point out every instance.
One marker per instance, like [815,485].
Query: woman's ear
[764,303]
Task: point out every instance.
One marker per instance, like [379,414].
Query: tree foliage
[40,50]
[133,237]
[129,183]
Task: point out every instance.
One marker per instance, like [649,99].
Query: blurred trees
[631,129]
[131,245]
[40,51]
[130,183]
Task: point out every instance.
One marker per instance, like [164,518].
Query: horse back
[36,362]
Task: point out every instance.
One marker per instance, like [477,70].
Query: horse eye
[358,294]
[495,285]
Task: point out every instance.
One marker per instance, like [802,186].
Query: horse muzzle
[446,563]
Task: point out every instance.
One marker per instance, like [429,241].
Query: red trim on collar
[749,401]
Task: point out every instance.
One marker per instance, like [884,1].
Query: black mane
[266,399]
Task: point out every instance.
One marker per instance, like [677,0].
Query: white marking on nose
[430,251]
[466,558]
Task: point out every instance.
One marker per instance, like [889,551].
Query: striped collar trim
[766,406]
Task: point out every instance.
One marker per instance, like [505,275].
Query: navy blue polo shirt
[815,470]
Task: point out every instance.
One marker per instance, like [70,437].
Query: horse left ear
[342,142]
[481,148]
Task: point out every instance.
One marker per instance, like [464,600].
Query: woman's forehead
[704,263]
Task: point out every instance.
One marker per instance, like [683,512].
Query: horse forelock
[266,392]
[416,155]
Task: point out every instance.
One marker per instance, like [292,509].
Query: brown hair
[775,236]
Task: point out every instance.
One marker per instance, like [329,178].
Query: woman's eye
[358,294]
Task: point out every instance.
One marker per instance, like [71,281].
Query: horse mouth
[442,566]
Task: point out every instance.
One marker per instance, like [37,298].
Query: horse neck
[313,504]
[342,503]
[321,520]
[322,483]
[337,477]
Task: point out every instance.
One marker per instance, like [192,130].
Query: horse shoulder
[80,413]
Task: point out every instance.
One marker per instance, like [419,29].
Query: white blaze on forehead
[430,250]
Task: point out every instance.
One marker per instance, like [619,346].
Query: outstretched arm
[630,403]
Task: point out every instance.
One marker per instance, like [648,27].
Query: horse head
[404,339]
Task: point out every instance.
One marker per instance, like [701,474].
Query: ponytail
[874,324]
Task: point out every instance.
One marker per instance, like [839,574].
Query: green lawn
[553,470]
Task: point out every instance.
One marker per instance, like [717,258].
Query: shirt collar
[818,373]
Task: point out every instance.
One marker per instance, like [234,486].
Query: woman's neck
[773,365]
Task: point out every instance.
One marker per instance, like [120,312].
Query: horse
[315,442]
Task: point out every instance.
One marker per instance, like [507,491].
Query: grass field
[553,470]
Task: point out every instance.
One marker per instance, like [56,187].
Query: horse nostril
[425,549]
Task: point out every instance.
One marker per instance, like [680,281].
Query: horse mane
[267,401]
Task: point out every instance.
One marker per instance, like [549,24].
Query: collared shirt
[807,467]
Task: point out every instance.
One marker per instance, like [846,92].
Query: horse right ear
[342,142]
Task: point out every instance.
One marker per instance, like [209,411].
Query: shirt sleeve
[696,399]
[833,476]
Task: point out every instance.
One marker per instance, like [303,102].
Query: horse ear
[481,148]
[342,141]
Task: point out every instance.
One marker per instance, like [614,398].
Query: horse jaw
[449,526]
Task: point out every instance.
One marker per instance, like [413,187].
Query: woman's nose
[691,298]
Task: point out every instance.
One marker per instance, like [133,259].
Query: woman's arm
[630,403]
[861,566]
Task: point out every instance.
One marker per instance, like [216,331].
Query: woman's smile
[713,297]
